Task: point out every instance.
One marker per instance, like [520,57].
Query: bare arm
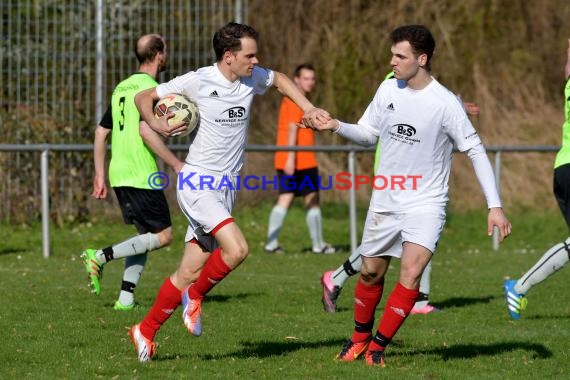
[291,141]
[144,101]
[156,143]
[286,87]
[99,153]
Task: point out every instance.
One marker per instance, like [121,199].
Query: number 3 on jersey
[122,108]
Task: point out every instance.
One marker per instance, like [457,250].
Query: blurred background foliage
[506,56]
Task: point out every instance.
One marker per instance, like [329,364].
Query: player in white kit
[417,121]
[206,185]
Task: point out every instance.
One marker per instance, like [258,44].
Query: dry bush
[69,176]
[508,57]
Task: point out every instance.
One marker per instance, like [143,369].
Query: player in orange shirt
[298,172]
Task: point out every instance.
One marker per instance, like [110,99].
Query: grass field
[265,321]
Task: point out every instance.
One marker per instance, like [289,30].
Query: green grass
[265,321]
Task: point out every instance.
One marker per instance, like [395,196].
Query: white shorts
[206,209]
[385,232]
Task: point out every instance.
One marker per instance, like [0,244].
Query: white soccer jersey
[219,142]
[417,130]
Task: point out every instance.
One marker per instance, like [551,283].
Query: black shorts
[562,190]
[301,183]
[146,209]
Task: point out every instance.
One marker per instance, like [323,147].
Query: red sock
[167,300]
[397,309]
[366,298]
[214,271]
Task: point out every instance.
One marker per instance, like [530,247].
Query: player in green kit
[558,255]
[131,165]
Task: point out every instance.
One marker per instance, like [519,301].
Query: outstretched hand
[318,119]
[498,219]
[314,117]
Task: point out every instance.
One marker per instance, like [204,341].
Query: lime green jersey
[563,156]
[377,157]
[132,162]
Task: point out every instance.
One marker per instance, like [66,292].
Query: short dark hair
[148,46]
[419,37]
[304,66]
[228,38]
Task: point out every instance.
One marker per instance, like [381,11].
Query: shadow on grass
[168,357]
[445,304]
[463,301]
[265,349]
[548,316]
[225,298]
[146,303]
[454,352]
[11,250]
[339,249]
[469,351]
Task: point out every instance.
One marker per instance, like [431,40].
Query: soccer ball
[184,110]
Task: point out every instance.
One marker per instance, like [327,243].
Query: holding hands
[319,119]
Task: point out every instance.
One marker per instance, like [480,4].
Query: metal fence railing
[352,150]
[62,58]
[59,63]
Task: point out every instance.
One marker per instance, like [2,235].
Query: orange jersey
[289,112]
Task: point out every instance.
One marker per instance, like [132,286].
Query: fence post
[352,202]
[498,181]
[238,12]
[99,60]
[45,202]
